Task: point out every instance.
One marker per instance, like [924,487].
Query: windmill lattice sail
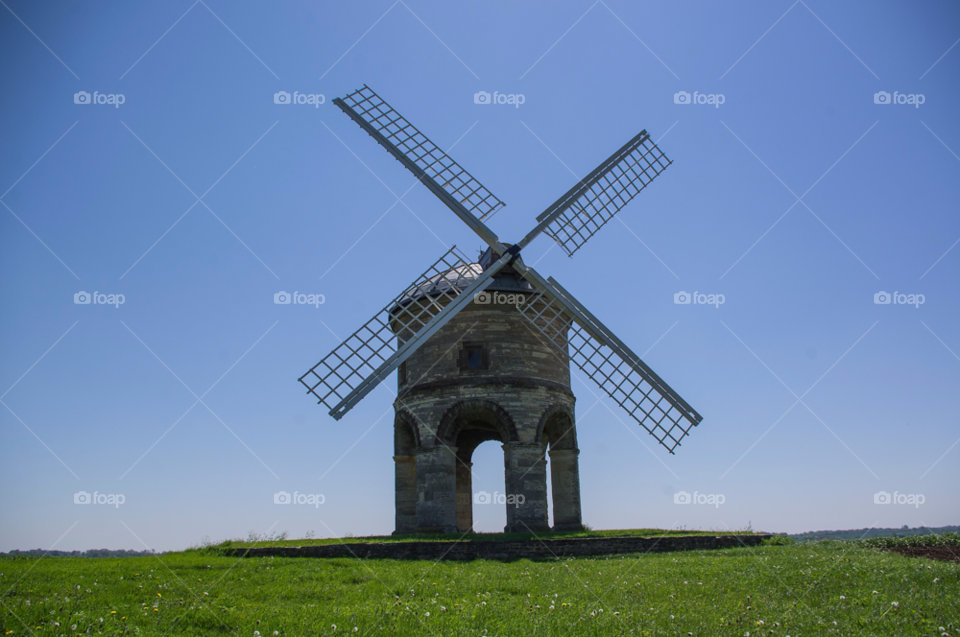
[423,153]
[613,367]
[588,206]
[345,368]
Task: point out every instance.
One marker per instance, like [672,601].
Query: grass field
[816,588]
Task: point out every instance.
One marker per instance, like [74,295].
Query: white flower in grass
[895,604]
[426,614]
[842,597]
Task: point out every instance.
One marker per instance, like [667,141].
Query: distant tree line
[90,553]
[865,534]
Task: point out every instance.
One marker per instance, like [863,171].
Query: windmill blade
[608,362]
[588,206]
[370,354]
[457,188]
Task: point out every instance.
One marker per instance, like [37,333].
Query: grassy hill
[814,588]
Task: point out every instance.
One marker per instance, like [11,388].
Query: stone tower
[488,374]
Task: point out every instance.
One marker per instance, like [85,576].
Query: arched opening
[558,435]
[405,445]
[479,509]
[465,427]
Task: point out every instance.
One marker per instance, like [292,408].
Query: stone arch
[557,427]
[486,412]
[406,434]
[406,441]
[464,426]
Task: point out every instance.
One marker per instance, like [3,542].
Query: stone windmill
[483,350]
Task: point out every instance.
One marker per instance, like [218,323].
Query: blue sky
[798,198]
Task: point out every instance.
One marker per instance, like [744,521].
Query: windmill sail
[449,181]
[589,205]
[619,372]
[345,368]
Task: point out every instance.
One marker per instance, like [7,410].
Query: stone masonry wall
[516,349]
[506,550]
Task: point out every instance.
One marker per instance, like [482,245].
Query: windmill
[480,370]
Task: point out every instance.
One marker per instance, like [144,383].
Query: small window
[473,356]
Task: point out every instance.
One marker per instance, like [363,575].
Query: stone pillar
[565,480]
[436,490]
[464,496]
[525,475]
[405,479]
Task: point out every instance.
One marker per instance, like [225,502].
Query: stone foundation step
[506,550]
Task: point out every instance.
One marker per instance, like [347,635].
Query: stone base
[547,549]
[568,527]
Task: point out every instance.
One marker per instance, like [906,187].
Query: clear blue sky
[100,198]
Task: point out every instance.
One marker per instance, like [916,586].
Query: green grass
[469,537]
[817,588]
